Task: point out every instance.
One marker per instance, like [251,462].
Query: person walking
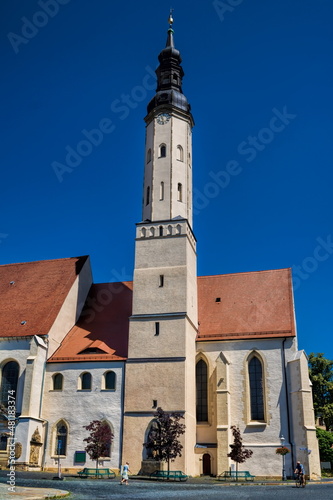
[124,473]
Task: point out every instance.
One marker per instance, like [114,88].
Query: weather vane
[170,17]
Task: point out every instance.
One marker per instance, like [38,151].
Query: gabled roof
[32,294]
[246,305]
[101,333]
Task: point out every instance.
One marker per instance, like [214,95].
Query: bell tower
[160,370]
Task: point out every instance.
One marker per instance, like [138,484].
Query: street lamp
[284,478]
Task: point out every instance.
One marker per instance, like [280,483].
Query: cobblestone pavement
[195,489]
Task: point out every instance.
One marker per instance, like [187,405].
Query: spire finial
[170,20]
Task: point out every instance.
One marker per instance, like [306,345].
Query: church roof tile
[101,332]
[246,305]
[32,294]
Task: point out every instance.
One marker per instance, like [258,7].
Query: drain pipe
[287,401]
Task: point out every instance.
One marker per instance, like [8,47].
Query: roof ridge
[247,272]
[43,260]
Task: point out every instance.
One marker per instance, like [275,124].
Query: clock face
[163,118]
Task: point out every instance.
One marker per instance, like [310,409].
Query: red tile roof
[101,334]
[32,294]
[246,305]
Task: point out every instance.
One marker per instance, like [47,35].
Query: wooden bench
[172,474]
[98,473]
[232,475]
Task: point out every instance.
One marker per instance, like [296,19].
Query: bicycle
[300,480]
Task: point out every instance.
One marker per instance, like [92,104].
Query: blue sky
[258,75]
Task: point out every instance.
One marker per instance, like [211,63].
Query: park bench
[232,475]
[98,473]
[172,474]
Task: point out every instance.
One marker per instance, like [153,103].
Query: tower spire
[170,42]
[170,74]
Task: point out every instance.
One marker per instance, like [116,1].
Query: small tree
[325,443]
[238,453]
[163,442]
[99,441]
[321,376]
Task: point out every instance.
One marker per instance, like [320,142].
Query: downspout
[122,417]
[287,401]
[41,405]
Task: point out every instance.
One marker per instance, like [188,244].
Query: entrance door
[206,464]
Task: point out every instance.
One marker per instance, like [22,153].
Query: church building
[221,350]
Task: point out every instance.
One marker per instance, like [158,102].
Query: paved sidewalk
[30,493]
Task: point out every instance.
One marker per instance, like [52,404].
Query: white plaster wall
[71,308]
[79,408]
[262,439]
[168,169]
[16,349]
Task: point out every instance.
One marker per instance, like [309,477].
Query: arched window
[180,153]
[61,438]
[107,431]
[58,380]
[162,151]
[110,380]
[161,230]
[148,155]
[256,389]
[9,379]
[201,378]
[179,192]
[86,380]
[162,191]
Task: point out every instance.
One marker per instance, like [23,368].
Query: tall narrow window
[161,280]
[148,195]
[148,155]
[162,151]
[161,230]
[162,191]
[61,438]
[58,382]
[180,153]
[157,329]
[9,379]
[256,389]
[202,391]
[110,380]
[180,192]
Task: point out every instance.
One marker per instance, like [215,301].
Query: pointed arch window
[61,438]
[58,381]
[180,153]
[162,151]
[9,379]
[179,192]
[256,389]
[106,453]
[201,378]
